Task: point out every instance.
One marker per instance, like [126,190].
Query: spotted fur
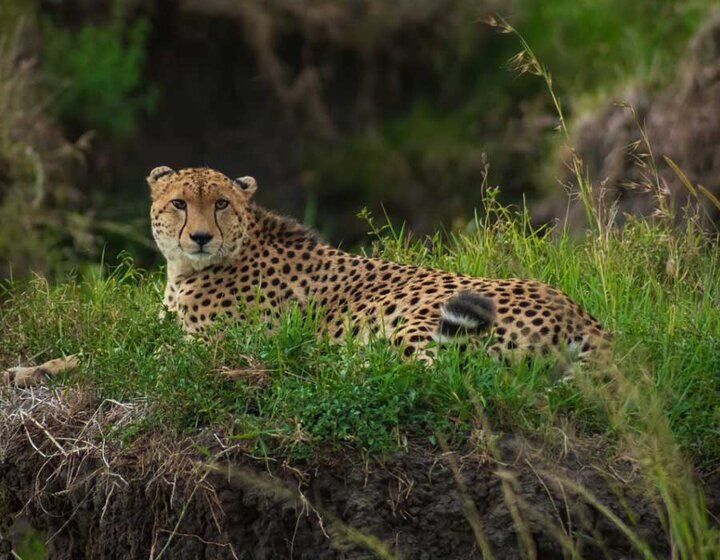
[257,260]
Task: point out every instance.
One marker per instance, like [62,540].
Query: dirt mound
[682,122]
[63,473]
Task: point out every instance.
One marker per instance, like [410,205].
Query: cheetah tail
[467,313]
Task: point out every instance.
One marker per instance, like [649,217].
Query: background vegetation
[333,107]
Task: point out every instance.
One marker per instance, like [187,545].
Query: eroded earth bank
[91,493]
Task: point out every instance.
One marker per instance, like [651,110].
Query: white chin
[200,256]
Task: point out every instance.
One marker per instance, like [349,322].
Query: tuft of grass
[319,394]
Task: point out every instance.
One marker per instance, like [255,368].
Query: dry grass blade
[640,545]
[511,490]
[468,505]
[710,196]
[255,373]
[279,492]
[680,175]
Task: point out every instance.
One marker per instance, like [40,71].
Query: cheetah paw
[28,376]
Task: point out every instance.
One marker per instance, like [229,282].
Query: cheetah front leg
[170,301]
[28,376]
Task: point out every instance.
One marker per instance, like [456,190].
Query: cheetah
[226,255]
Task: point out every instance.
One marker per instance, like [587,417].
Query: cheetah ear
[157,173]
[247,184]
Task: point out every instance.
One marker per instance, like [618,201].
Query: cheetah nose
[201,237]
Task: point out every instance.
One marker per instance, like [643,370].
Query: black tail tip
[466,313]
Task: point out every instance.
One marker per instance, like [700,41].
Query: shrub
[97,73]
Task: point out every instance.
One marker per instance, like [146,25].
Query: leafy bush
[97,73]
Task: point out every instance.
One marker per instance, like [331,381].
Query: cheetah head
[199,216]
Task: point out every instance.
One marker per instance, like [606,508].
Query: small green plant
[96,73]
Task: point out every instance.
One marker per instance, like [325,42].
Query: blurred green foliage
[39,230]
[425,156]
[97,73]
[429,159]
[32,546]
[594,44]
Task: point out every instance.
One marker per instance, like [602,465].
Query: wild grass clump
[288,393]
[638,398]
[316,393]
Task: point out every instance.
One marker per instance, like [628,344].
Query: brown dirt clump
[65,472]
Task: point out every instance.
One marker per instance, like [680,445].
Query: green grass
[667,330]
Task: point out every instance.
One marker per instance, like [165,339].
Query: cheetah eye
[179,204]
[221,204]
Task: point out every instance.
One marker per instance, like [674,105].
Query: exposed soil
[205,496]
